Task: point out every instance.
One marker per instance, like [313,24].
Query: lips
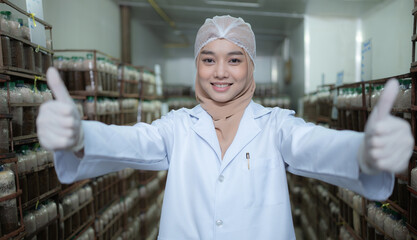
[221,87]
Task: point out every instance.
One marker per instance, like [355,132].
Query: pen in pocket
[248,158]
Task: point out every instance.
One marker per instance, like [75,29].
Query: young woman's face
[222,70]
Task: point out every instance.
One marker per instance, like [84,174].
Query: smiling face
[222,70]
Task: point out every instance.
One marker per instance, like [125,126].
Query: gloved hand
[59,122]
[388,142]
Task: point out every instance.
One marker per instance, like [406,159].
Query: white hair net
[226,27]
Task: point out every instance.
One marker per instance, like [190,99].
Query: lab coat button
[221,178]
[219,223]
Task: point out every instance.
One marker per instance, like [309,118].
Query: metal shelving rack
[354,118]
[96,93]
[8,74]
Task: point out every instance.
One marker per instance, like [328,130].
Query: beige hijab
[227,115]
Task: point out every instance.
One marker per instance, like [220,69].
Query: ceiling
[271,20]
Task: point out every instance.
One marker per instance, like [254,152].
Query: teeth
[221,85]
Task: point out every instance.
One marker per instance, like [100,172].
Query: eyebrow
[235,53]
[230,53]
[207,52]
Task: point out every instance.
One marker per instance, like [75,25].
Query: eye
[208,60]
[235,60]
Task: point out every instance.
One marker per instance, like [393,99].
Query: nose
[221,71]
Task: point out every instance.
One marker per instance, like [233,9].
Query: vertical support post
[126,34]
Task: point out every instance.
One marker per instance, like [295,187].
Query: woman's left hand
[388,142]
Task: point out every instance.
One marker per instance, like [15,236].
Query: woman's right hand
[59,122]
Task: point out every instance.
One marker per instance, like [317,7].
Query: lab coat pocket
[258,164]
[262,178]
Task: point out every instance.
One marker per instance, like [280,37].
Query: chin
[221,99]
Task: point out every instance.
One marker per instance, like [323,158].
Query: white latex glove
[388,142]
[59,122]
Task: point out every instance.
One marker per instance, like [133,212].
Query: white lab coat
[209,198]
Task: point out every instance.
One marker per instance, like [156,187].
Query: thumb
[387,99]
[57,86]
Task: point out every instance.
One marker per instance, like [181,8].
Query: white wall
[147,48]
[332,44]
[263,69]
[78,24]
[295,89]
[181,71]
[180,66]
[390,27]
[95,24]
[331,49]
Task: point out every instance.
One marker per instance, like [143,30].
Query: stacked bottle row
[361,219]
[110,222]
[352,97]
[4,122]
[42,222]
[24,101]
[318,104]
[412,189]
[17,27]
[308,212]
[36,173]
[35,180]
[321,102]
[33,169]
[23,65]
[87,74]
[149,84]
[151,208]
[119,111]
[76,211]
[131,77]
[264,90]
[379,221]
[353,110]
[281,102]
[130,110]
[87,234]
[8,209]
[23,56]
[401,207]
[129,212]
[177,91]
[392,223]
[139,80]
[177,103]
[150,110]
[107,110]
[18,52]
[327,211]
[119,199]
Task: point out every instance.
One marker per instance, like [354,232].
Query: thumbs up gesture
[59,122]
[388,142]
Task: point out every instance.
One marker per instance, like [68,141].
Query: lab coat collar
[257,110]
[204,127]
[248,129]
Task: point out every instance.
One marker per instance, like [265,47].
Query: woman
[228,156]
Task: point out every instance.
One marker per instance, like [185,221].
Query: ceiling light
[245,3]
